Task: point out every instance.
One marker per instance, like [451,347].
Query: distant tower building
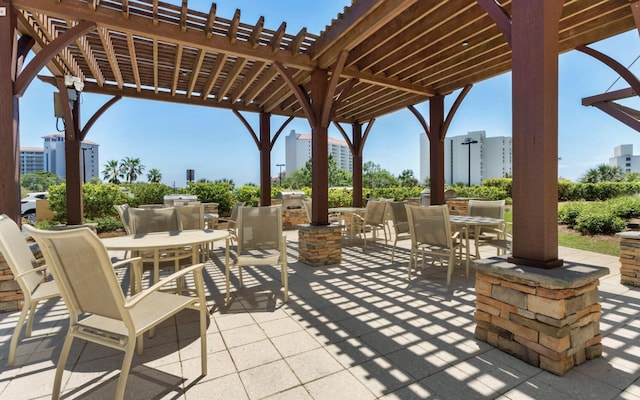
[54,157]
[298,151]
[489,157]
[623,157]
[31,160]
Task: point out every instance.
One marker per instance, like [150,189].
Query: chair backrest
[210,208]
[18,255]
[81,266]
[191,216]
[234,210]
[430,225]
[146,220]
[399,216]
[123,212]
[486,208]
[259,228]
[375,212]
[307,208]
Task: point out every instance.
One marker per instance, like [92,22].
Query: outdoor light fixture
[468,142]
[280,173]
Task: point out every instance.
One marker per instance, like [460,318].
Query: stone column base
[629,258]
[547,318]
[320,245]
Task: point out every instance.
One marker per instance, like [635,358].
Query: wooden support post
[265,159]
[535,27]
[436,135]
[9,117]
[319,150]
[357,164]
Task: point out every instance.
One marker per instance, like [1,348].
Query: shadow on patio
[354,330]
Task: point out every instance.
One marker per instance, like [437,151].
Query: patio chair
[400,223]
[123,212]
[211,215]
[431,234]
[491,209]
[148,220]
[30,278]
[374,219]
[259,242]
[191,216]
[98,310]
[231,220]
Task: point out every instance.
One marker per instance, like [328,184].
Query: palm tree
[603,173]
[111,172]
[154,175]
[131,168]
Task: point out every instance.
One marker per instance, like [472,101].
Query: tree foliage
[111,172]
[374,176]
[603,173]
[131,168]
[154,175]
[39,181]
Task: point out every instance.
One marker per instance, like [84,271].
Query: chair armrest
[121,263]
[31,271]
[132,301]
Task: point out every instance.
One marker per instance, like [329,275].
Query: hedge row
[601,217]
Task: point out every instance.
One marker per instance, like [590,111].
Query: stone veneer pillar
[629,258]
[320,245]
[547,318]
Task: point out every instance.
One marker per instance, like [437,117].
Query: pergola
[374,58]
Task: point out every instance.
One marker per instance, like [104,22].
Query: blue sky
[213,142]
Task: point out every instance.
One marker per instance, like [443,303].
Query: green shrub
[481,192]
[107,224]
[147,193]
[599,221]
[625,207]
[214,192]
[567,213]
[97,200]
[500,183]
[250,194]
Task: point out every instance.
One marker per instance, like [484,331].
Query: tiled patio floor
[359,330]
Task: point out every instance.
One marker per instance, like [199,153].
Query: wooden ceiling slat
[294,45]
[176,72]
[269,75]
[233,28]
[196,72]
[276,39]
[360,31]
[87,54]
[221,59]
[211,18]
[249,77]
[134,61]
[30,28]
[231,78]
[156,83]
[257,31]
[103,33]
[183,16]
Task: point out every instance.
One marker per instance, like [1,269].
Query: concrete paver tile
[268,379]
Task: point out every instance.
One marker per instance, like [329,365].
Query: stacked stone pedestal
[547,318]
[291,218]
[320,245]
[629,258]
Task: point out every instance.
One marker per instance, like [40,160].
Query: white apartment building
[298,151]
[31,160]
[54,157]
[488,157]
[623,157]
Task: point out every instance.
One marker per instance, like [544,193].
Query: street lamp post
[280,173]
[468,142]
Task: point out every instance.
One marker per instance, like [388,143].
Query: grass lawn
[604,244]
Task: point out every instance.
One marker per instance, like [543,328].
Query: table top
[471,220]
[160,240]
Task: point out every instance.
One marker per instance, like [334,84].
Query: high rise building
[54,157]
[298,151]
[470,158]
[31,160]
[623,157]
